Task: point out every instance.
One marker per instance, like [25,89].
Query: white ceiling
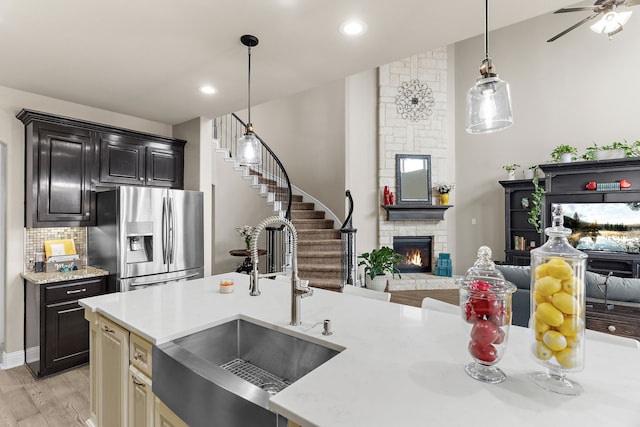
[147,58]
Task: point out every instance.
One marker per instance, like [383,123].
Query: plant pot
[566,158]
[444,199]
[511,175]
[528,173]
[378,283]
[618,153]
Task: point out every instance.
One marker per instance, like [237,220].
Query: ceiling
[147,58]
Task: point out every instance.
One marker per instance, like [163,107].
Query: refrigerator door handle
[172,232]
[160,282]
[164,230]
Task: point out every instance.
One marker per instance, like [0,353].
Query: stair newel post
[349,268]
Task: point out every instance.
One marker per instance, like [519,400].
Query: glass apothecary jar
[558,309]
[485,305]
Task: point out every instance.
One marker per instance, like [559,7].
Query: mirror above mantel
[413,179]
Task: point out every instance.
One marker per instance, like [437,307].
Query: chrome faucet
[298,290]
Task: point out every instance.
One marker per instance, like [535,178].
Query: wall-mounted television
[612,227]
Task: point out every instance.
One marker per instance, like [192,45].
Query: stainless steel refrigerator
[147,236]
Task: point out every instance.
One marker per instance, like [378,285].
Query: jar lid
[483,276]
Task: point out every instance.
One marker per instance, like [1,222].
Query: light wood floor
[62,400]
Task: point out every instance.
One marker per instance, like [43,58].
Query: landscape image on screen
[611,227]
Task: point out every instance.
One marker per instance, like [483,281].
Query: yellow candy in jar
[549,314]
[571,286]
[573,342]
[571,326]
[568,358]
[540,271]
[542,352]
[539,299]
[565,303]
[559,268]
[554,340]
[548,285]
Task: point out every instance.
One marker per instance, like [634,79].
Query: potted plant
[444,190]
[564,153]
[530,172]
[511,170]
[616,150]
[377,263]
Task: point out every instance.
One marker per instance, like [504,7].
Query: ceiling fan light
[488,106]
[610,22]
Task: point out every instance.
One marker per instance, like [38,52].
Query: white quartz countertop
[402,366]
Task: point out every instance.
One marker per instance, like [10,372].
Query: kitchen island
[401,365]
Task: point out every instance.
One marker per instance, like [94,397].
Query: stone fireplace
[418,253]
[430,135]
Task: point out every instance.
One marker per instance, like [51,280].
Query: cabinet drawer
[614,326]
[69,291]
[140,353]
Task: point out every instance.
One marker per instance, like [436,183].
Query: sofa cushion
[618,288]
[519,275]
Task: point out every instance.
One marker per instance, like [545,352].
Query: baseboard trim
[12,360]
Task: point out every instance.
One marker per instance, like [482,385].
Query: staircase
[319,246]
[319,243]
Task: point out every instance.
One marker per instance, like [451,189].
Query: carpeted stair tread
[330,284]
[319,267]
[319,254]
[306,214]
[313,224]
[300,205]
[319,234]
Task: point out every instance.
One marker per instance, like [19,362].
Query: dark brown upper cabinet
[67,160]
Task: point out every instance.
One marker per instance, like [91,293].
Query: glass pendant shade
[488,106]
[248,150]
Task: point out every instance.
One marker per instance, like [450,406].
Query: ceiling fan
[611,22]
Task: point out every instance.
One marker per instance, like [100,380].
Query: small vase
[444,199]
[247,243]
[528,173]
[511,175]
[566,158]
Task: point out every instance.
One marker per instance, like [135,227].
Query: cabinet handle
[138,355]
[108,329]
[76,291]
[142,178]
[87,213]
[611,328]
[136,382]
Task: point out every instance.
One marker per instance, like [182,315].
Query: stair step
[306,214]
[313,224]
[318,268]
[320,244]
[320,257]
[299,206]
[296,198]
[318,234]
[329,284]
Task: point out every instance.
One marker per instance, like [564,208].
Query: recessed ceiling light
[208,90]
[353,28]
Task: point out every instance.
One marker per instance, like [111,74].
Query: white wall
[580,89]
[361,156]
[306,131]
[3,214]
[12,134]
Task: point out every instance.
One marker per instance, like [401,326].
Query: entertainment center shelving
[566,183]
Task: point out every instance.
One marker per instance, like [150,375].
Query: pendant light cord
[249,89]
[486,29]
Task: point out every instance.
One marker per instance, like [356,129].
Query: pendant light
[488,101]
[248,148]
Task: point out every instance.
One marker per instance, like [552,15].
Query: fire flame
[414,257]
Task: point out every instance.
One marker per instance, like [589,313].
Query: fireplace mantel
[415,212]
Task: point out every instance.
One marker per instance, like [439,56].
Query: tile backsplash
[34,242]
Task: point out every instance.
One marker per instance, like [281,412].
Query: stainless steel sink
[225,375]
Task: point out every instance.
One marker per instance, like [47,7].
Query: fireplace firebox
[418,252]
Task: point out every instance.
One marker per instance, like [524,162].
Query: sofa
[619,290]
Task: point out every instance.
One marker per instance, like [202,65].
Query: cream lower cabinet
[112,374]
[141,399]
[120,376]
[164,417]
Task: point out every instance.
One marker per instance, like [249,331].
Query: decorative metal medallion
[414,100]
